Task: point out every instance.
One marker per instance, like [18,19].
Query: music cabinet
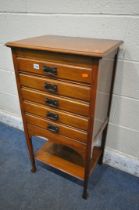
[65,88]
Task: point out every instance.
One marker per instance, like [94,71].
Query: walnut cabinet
[65,88]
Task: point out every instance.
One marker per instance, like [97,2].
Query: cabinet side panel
[103,92]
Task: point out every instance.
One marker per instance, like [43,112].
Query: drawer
[57,102]
[56,128]
[56,70]
[56,115]
[56,87]
[59,139]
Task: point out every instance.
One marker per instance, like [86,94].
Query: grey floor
[109,189]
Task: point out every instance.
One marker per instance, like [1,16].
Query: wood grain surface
[64,44]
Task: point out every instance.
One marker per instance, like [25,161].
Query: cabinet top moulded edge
[70,45]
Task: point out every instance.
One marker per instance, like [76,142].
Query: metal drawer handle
[53,128]
[51,88]
[52,102]
[52,116]
[50,71]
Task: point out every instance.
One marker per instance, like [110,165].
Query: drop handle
[52,116]
[50,71]
[50,87]
[53,128]
[52,102]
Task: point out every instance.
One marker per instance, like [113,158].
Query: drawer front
[56,87]
[59,139]
[56,128]
[57,102]
[56,115]
[56,70]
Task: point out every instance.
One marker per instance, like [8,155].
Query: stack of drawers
[58,84]
[56,97]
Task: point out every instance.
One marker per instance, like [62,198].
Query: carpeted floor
[109,189]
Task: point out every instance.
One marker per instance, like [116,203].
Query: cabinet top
[71,45]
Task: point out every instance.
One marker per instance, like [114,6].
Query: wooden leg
[103,141]
[104,134]
[85,187]
[31,153]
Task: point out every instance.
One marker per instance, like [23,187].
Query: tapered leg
[103,141]
[85,187]
[31,153]
[104,134]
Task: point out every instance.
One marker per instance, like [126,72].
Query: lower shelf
[65,159]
